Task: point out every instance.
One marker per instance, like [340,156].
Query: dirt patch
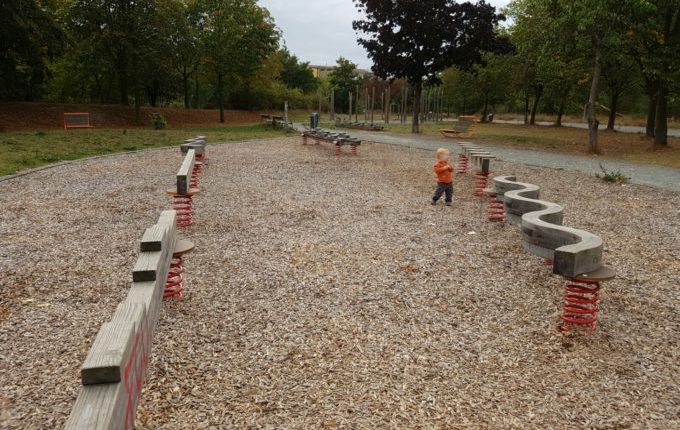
[49,116]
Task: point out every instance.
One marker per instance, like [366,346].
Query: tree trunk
[612,114]
[185,83]
[388,102]
[526,107]
[661,123]
[560,110]
[122,82]
[653,93]
[593,123]
[417,96]
[486,107]
[534,108]
[220,98]
[138,116]
[197,90]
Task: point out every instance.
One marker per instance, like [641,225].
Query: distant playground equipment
[338,140]
[467,128]
[77,120]
[358,125]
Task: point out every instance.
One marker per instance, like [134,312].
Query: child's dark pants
[441,189]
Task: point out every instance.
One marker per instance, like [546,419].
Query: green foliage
[295,74]
[158,121]
[29,38]
[612,176]
[343,79]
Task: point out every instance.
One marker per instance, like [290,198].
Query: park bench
[113,371]
[573,253]
[337,139]
[77,120]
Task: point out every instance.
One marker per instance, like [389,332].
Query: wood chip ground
[325,292]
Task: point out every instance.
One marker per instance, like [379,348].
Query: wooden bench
[113,372]
[77,120]
[337,139]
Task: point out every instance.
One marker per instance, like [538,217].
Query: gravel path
[325,292]
[666,178]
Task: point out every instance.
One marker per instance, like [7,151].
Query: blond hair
[440,152]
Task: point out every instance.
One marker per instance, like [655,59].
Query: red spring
[353,149]
[462,164]
[496,212]
[338,149]
[581,304]
[549,262]
[183,204]
[200,157]
[174,286]
[481,181]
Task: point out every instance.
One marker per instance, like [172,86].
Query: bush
[612,176]
[158,121]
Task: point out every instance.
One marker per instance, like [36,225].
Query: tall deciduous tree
[417,40]
[238,36]
[657,50]
[121,30]
[29,38]
[343,80]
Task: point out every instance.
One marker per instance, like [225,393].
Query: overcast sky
[320,31]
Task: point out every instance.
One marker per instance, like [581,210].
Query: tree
[29,39]
[548,62]
[620,75]
[343,80]
[656,41]
[296,74]
[598,28]
[238,35]
[120,31]
[182,37]
[417,40]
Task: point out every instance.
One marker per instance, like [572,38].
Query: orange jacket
[443,169]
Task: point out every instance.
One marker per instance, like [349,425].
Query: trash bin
[314,120]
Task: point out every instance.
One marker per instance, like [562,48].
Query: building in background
[321,71]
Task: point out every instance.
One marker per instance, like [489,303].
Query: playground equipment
[575,254]
[338,140]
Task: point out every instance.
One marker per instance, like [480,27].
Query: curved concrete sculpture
[573,251]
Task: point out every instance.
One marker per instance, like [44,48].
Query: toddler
[444,170]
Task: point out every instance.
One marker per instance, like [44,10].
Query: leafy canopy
[417,39]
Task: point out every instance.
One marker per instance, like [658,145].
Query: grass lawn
[26,150]
[621,146]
